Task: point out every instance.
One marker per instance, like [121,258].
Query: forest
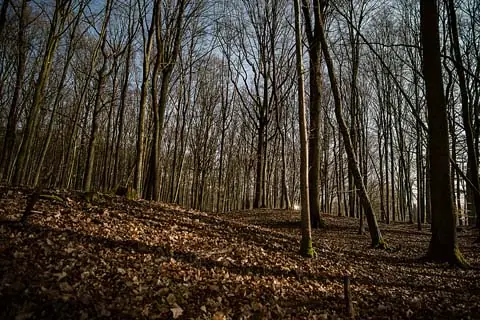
[214,159]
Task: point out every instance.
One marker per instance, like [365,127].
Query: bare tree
[375,234]
[472,159]
[312,29]
[72,46]
[146,61]
[61,11]
[168,37]
[98,104]
[11,130]
[306,248]
[443,243]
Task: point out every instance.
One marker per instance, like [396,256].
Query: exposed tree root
[380,244]
[455,260]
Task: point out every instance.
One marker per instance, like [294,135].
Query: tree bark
[165,61]
[62,9]
[11,130]
[121,123]
[315,73]
[140,152]
[466,110]
[375,234]
[443,243]
[97,107]
[306,248]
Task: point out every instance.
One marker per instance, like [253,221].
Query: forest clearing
[123,259]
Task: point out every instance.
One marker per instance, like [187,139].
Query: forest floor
[113,258]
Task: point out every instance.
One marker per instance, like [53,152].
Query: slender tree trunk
[121,114]
[285,203]
[92,142]
[46,145]
[110,137]
[392,166]
[428,193]
[419,159]
[260,167]
[338,179]
[68,162]
[58,97]
[380,157]
[325,185]
[140,152]
[466,110]
[220,191]
[387,176]
[226,102]
[306,248]
[315,73]
[62,9]
[178,123]
[97,106]
[165,61]
[375,234]
[11,132]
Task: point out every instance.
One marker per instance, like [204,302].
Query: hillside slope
[121,259]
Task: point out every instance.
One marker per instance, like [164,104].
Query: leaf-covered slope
[121,259]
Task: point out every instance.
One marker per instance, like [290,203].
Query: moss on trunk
[454,258]
[380,244]
[306,249]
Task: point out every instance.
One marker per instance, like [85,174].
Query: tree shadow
[245,233]
[286,224]
[132,246]
[165,252]
[41,305]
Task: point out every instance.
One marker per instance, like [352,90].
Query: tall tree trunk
[62,8]
[325,181]
[67,164]
[110,137]
[375,234]
[258,201]
[121,114]
[380,157]
[59,95]
[165,62]
[306,248]
[97,106]
[443,244]
[140,147]
[285,202]
[392,164]
[92,141]
[387,176]
[419,159]
[466,110]
[315,72]
[11,132]
[226,102]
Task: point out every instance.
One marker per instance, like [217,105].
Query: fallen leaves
[116,258]
[176,311]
